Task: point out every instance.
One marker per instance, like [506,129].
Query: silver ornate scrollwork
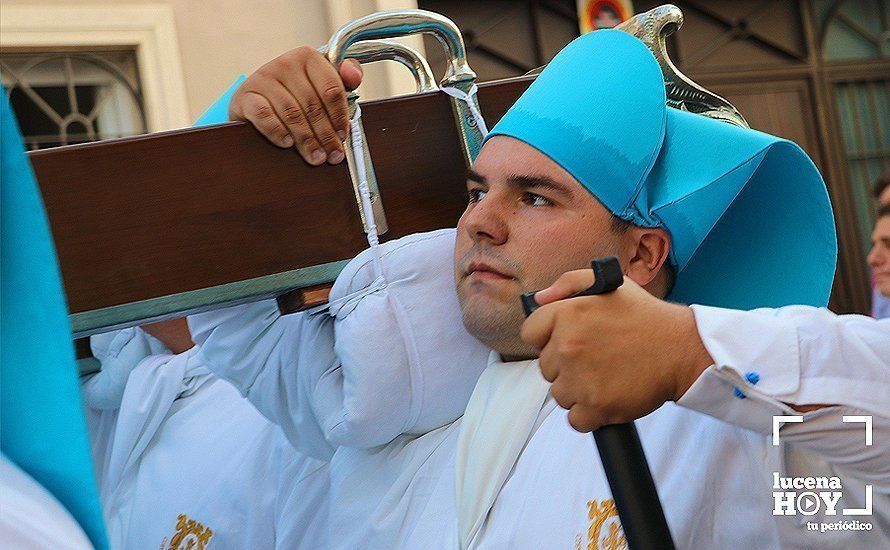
[459,75]
[653,27]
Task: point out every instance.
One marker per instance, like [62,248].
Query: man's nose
[486,221]
[875,257]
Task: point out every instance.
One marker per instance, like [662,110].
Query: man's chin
[487,296]
[491,320]
[882,283]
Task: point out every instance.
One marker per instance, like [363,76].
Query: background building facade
[814,71]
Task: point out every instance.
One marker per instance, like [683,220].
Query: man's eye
[475,195]
[536,200]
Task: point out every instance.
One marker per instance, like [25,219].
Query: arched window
[61,98]
[853,29]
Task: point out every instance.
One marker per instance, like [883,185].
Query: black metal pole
[621,452]
[633,488]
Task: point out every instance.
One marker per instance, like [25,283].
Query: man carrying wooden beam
[589,162]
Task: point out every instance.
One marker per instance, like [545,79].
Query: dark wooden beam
[157,225]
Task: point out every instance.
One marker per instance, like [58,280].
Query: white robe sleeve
[118,352]
[275,361]
[31,517]
[768,360]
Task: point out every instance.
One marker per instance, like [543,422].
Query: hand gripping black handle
[607,277]
[621,452]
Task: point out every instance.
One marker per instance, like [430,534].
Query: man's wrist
[692,357]
[173,333]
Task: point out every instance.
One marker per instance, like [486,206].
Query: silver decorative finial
[653,27]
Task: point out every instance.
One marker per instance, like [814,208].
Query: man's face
[879,257]
[527,222]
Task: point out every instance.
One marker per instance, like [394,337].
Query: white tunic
[711,454]
[358,386]
[181,457]
[286,366]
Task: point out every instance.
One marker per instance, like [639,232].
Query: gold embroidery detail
[604,514]
[190,535]
[615,539]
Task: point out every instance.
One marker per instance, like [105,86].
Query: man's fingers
[564,393]
[582,419]
[351,73]
[317,139]
[549,367]
[568,284]
[537,328]
[292,113]
[329,90]
[298,99]
[257,110]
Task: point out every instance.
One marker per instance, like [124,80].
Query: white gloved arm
[275,361]
[118,352]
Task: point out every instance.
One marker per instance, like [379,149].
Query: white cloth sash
[152,388]
[501,417]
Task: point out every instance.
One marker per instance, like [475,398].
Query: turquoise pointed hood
[749,217]
[42,426]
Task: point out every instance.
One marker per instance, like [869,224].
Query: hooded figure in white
[357,384]
[527,479]
[379,385]
[182,459]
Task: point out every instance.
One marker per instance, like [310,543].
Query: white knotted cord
[470,99]
[364,189]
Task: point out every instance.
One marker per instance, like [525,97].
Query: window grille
[67,97]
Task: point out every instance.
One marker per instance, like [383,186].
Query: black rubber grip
[620,450]
[607,277]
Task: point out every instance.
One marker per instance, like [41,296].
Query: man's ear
[652,246]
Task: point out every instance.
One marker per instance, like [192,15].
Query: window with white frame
[64,97]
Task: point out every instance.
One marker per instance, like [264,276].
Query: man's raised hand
[299,100]
[615,357]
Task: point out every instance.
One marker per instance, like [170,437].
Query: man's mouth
[482,270]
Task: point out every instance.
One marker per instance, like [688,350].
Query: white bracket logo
[777,423]
[808,503]
[860,419]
